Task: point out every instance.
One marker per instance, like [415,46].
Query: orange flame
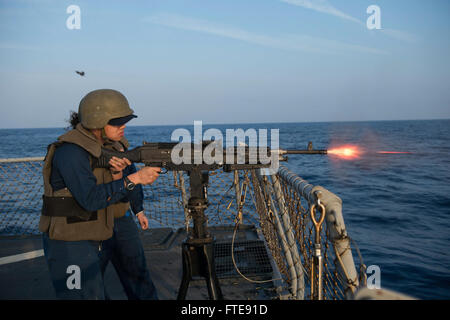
[347,152]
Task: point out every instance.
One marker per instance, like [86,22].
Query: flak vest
[62,217]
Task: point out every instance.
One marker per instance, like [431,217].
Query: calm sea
[396,206]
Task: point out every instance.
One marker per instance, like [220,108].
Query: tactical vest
[73,223]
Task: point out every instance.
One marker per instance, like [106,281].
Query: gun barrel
[306,151]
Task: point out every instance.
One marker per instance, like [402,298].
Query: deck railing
[278,205]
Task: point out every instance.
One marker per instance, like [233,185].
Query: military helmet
[98,107]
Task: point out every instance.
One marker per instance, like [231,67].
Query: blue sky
[234,61]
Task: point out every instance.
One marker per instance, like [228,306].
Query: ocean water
[396,206]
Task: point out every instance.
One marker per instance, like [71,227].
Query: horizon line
[241,123]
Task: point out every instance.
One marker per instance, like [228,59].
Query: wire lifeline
[238,220]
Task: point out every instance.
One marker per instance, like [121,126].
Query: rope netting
[283,218]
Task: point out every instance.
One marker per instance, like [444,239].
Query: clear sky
[227,61]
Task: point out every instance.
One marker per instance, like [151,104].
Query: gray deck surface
[30,279]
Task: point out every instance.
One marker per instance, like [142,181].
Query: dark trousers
[75,268]
[126,253]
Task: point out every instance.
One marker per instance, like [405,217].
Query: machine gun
[198,248]
[161,154]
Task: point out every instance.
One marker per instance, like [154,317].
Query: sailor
[86,209]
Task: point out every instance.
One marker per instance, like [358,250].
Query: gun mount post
[198,248]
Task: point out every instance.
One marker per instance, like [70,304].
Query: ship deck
[29,279]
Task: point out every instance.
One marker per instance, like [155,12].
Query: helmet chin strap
[105,137]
